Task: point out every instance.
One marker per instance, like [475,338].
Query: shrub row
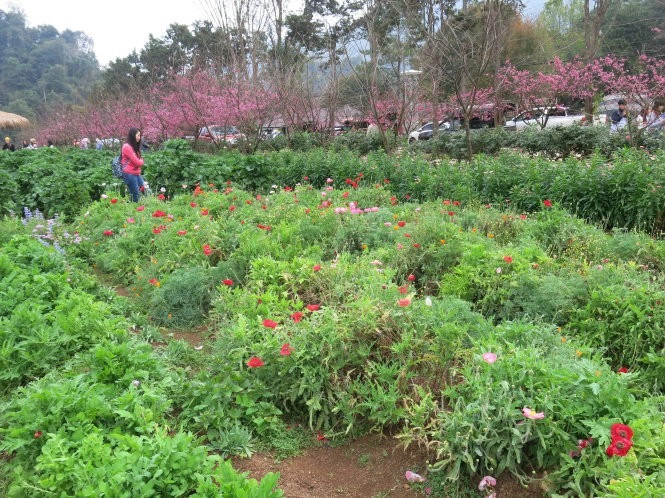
[624,193]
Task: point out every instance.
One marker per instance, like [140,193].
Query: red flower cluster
[313,307]
[108,233]
[297,316]
[158,214]
[207,250]
[547,203]
[271,324]
[622,440]
[227,281]
[286,350]
[255,362]
[264,227]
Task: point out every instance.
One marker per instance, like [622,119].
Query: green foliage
[42,329]
[160,464]
[62,70]
[183,299]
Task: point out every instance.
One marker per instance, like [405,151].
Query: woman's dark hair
[131,140]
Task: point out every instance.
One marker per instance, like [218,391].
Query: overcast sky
[119,26]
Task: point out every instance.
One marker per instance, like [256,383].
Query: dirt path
[370,466]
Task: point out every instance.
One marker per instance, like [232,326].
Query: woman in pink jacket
[132,162]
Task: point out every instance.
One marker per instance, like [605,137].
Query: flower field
[508,338]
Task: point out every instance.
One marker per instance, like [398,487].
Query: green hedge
[622,192]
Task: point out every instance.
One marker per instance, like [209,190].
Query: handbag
[116,167]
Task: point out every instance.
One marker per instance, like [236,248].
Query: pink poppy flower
[489,357]
[532,414]
[485,482]
[413,477]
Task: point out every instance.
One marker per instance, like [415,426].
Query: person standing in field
[132,163]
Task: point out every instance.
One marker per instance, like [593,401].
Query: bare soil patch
[370,466]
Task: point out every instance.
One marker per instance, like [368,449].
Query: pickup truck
[539,118]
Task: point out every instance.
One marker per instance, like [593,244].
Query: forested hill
[41,68]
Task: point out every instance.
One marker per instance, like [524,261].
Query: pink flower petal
[489,357]
[413,477]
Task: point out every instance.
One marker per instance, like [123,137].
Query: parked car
[216,133]
[546,117]
[426,131]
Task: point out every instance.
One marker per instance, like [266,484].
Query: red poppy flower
[401,223]
[154,281]
[416,245]
[313,307]
[411,278]
[255,362]
[271,324]
[451,213]
[547,203]
[114,201]
[38,434]
[457,203]
[158,214]
[621,431]
[207,250]
[307,210]
[345,195]
[232,208]
[619,447]
[623,370]
[204,212]
[403,289]
[508,259]
[182,232]
[193,204]
[263,227]
[446,202]
[407,235]
[286,350]
[297,316]
[227,281]
[404,302]
[140,208]
[316,267]
[108,233]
